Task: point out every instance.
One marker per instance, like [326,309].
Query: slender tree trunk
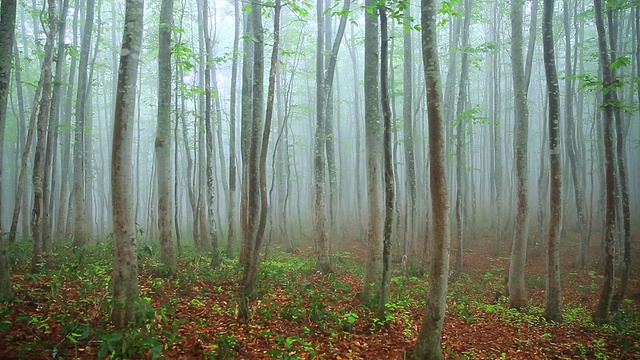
[319,161]
[163,140]
[49,179]
[7,36]
[409,147]
[623,198]
[232,131]
[571,146]
[125,268]
[373,261]
[81,237]
[389,185]
[210,156]
[517,288]
[601,313]
[553,303]
[497,133]
[428,342]
[41,141]
[461,161]
[253,238]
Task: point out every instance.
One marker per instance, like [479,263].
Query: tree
[409,147]
[517,289]
[254,199]
[324,83]
[373,261]
[232,130]
[461,161]
[389,185]
[39,156]
[428,342]
[125,268]
[79,171]
[319,165]
[553,303]
[7,35]
[163,140]
[601,313]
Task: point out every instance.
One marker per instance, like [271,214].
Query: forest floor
[302,314]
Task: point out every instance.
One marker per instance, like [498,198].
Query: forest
[328,179]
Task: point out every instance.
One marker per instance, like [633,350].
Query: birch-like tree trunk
[7,36]
[163,140]
[373,129]
[232,131]
[428,342]
[553,303]
[125,268]
[389,185]
[80,235]
[41,141]
[517,287]
[601,313]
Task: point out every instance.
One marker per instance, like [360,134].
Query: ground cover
[301,313]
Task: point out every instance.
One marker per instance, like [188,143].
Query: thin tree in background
[553,303]
[210,159]
[517,288]
[41,131]
[232,131]
[125,268]
[319,160]
[571,146]
[428,342]
[80,236]
[373,261]
[7,36]
[603,308]
[163,140]
[409,147]
[461,159]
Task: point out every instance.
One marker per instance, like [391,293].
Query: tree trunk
[81,237]
[163,140]
[210,156]
[125,268]
[409,147]
[7,35]
[517,288]
[319,162]
[389,185]
[428,342]
[252,240]
[41,131]
[601,313]
[461,161]
[232,131]
[553,303]
[373,261]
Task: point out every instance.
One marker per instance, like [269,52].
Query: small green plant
[348,320]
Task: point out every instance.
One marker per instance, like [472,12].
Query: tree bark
[80,235]
[373,261]
[163,140]
[553,303]
[517,288]
[389,185]
[428,342]
[7,36]
[125,268]
[601,313]
[41,141]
